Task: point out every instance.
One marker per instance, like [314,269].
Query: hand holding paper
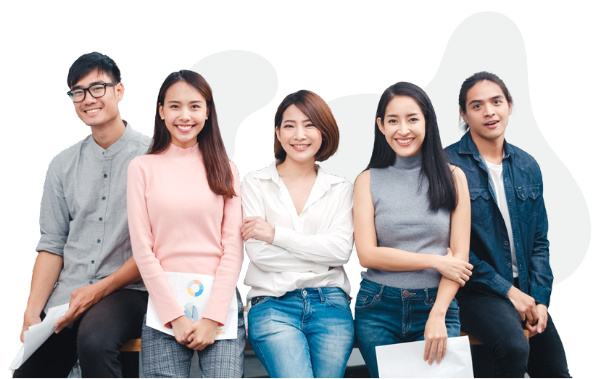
[29,322]
[37,334]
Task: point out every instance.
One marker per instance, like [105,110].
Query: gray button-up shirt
[83,216]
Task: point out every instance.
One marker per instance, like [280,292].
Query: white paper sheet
[38,334]
[193,298]
[406,360]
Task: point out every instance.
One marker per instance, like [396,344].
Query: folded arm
[269,257]
[390,259]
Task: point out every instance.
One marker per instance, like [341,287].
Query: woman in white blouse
[298,228]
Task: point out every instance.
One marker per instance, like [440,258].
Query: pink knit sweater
[177,224]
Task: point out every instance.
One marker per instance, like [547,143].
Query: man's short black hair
[90,62]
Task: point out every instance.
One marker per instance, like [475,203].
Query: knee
[95,345]
[514,348]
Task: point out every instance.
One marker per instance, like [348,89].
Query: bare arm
[46,270]
[435,333]
[85,297]
[390,259]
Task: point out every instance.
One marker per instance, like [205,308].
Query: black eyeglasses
[95,90]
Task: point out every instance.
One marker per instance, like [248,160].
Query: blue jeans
[307,333]
[387,315]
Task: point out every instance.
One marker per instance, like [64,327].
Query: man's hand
[202,334]
[182,327]
[542,321]
[524,304]
[82,299]
[27,322]
[257,228]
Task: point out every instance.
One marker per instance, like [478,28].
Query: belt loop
[321,295]
[379,295]
[427,299]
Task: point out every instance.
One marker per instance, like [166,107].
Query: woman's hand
[435,335]
[181,329]
[454,269]
[257,228]
[202,334]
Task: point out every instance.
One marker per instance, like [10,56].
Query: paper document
[38,334]
[192,293]
[406,360]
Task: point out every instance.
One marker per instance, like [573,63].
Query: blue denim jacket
[489,241]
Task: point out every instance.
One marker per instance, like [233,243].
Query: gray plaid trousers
[164,357]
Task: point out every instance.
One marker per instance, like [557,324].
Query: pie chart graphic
[191,312]
[191,288]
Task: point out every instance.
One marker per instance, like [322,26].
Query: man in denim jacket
[511,282]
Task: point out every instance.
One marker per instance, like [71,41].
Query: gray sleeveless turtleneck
[403,221]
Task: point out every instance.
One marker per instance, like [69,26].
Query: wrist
[436,261]
[437,313]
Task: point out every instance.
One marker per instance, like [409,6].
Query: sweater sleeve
[142,243]
[226,276]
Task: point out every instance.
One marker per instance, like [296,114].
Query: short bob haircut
[435,166]
[210,143]
[90,62]
[320,114]
[472,81]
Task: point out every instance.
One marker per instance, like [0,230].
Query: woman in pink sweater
[184,209]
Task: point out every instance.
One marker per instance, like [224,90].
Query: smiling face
[101,111]
[300,139]
[487,111]
[185,112]
[404,126]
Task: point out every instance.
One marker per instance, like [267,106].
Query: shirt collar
[115,147]
[323,180]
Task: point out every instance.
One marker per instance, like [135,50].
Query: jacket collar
[467,146]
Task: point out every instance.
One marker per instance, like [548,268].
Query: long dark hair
[217,165]
[435,166]
[476,78]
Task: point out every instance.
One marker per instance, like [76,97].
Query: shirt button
[92,262]
[98,241]
[506,243]
[105,175]
[100,219]
[103,198]
[509,265]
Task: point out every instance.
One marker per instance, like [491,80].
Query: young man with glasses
[85,256]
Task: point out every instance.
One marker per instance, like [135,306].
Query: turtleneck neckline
[408,163]
[175,151]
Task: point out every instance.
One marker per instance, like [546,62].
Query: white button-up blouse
[309,249]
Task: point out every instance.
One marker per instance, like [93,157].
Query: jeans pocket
[453,309]
[365,300]
[339,302]
[258,300]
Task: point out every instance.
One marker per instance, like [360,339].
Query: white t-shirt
[310,249]
[496,174]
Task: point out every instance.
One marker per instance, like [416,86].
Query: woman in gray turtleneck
[412,227]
